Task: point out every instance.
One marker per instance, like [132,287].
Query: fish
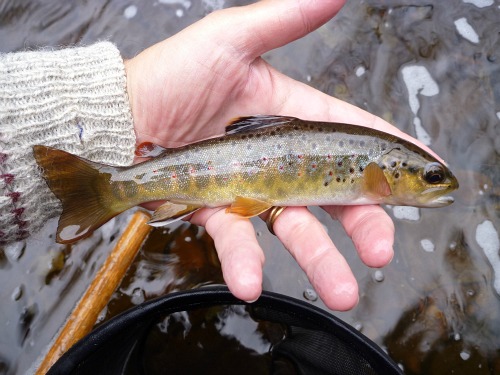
[260,162]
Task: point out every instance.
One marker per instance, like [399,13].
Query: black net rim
[204,297]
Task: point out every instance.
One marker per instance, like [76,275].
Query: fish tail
[84,191]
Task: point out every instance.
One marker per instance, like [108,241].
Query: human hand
[187,87]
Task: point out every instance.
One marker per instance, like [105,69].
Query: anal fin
[169,212]
[248,207]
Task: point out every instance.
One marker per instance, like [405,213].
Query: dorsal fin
[249,123]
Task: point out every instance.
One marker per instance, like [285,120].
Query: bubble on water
[358,326]
[480,3]
[179,13]
[212,5]
[427,245]
[185,3]
[466,30]
[130,12]
[310,294]
[378,276]
[102,315]
[137,296]
[487,239]
[17,293]
[14,251]
[406,213]
[464,355]
[360,70]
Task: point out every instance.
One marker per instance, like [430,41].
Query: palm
[196,102]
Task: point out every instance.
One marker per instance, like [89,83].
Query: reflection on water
[236,343]
[170,260]
[430,68]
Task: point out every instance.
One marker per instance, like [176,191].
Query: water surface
[430,68]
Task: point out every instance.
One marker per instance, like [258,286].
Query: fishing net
[314,342]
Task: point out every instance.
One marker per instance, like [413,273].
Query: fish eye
[434,173]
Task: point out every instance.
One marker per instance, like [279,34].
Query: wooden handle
[82,319]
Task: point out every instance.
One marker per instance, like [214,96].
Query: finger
[306,239]
[239,252]
[265,25]
[371,230]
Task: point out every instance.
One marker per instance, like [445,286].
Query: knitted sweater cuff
[73,99]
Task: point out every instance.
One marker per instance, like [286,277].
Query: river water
[430,68]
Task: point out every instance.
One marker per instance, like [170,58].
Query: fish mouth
[442,201]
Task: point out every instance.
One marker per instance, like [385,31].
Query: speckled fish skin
[289,163]
[262,161]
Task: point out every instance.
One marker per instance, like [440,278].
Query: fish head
[417,179]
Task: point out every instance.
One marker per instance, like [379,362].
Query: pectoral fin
[248,207]
[375,182]
[169,212]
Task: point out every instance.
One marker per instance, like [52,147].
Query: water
[432,69]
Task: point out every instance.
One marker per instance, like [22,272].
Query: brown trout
[260,162]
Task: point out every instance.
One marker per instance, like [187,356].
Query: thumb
[260,27]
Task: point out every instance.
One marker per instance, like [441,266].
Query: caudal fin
[83,189]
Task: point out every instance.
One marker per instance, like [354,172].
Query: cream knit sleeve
[73,99]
